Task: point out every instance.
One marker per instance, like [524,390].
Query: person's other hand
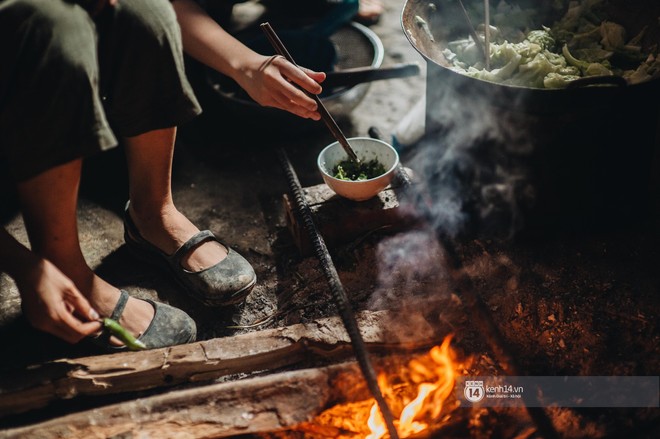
[52,303]
[270,82]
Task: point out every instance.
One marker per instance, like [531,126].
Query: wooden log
[38,386]
[340,220]
[252,405]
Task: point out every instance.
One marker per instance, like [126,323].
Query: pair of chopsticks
[325,115]
[484,50]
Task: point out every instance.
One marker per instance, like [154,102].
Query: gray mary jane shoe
[225,283]
[169,327]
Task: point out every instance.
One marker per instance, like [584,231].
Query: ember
[419,393]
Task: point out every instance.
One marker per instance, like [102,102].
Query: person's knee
[54,42]
[60,35]
[152,21]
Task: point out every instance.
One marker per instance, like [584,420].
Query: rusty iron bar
[339,294]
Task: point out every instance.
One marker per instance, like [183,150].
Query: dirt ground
[566,303]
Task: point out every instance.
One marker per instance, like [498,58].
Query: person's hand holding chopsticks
[272,85]
[270,81]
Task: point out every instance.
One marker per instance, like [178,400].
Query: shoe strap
[119,307]
[104,338]
[197,238]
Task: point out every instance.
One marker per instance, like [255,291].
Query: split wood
[204,361]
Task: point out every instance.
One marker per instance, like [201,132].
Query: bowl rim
[387,172]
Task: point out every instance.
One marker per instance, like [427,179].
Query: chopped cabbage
[580,44]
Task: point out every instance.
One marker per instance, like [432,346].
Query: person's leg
[149,96]
[150,167]
[50,118]
[48,203]
[50,108]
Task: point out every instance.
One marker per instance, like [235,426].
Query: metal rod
[359,75]
[325,114]
[339,295]
[473,33]
[487,32]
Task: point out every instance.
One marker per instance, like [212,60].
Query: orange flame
[417,392]
[435,375]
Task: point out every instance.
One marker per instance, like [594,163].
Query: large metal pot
[576,156]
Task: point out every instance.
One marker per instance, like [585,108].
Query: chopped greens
[351,170]
[583,42]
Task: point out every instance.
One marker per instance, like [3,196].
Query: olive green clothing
[70,84]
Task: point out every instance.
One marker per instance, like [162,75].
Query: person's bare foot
[370,10]
[170,229]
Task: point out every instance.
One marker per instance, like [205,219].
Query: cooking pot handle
[358,75]
[613,80]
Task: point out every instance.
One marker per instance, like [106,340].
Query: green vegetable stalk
[123,334]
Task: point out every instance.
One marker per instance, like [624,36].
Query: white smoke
[472,163]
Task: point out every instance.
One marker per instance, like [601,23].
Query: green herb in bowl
[351,170]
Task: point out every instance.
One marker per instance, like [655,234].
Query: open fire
[419,393]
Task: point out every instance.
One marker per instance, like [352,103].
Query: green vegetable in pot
[351,170]
[588,69]
[556,80]
[542,37]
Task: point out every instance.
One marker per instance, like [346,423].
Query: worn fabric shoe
[170,326]
[225,283]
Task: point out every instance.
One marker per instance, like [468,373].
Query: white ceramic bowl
[366,149]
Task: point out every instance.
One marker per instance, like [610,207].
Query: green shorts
[69,83]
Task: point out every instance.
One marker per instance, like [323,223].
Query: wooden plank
[340,220]
[39,386]
[252,405]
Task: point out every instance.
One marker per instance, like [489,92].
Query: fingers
[285,102]
[51,302]
[63,324]
[283,85]
[77,305]
[80,306]
[69,317]
[292,79]
[316,76]
[73,330]
[304,78]
[283,95]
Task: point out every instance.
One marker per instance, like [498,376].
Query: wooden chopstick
[325,115]
[474,35]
